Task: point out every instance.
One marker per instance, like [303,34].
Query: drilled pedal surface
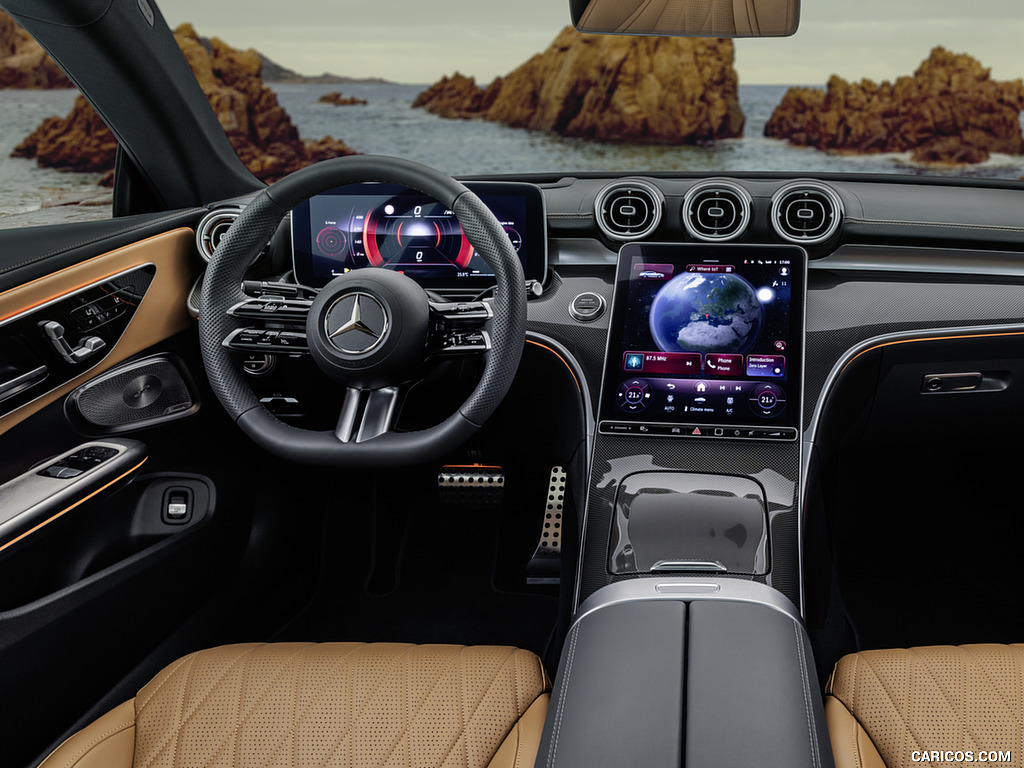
[471,484]
[543,567]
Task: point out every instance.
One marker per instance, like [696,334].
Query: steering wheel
[370,330]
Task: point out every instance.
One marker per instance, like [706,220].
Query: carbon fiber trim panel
[549,315]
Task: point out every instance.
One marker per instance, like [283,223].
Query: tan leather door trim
[161,314]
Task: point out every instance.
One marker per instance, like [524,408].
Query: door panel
[106,569]
[161,314]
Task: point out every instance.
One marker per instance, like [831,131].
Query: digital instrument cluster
[706,341]
[392,227]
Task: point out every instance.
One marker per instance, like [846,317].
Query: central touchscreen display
[706,341]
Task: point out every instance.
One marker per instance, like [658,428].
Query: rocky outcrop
[259,129]
[950,112]
[23,62]
[608,88]
[338,100]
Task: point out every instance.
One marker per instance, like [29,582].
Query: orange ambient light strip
[63,512]
[897,342]
[564,361]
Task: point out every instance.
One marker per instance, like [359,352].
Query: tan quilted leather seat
[893,709]
[288,705]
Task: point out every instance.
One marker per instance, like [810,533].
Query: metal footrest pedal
[476,485]
[545,565]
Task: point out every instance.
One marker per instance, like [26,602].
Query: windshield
[914,87]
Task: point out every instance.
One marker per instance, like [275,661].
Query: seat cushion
[332,704]
[886,709]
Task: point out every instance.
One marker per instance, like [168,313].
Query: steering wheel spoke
[367,413]
[459,328]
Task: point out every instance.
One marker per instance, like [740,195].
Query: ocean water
[24,186]
[388,125]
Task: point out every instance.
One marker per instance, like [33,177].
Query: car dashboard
[874,270]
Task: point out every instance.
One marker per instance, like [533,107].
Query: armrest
[666,672]
[48,491]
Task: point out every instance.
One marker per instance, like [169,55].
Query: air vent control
[716,210]
[806,212]
[629,209]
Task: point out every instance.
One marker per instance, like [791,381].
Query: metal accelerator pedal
[545,565]
[477,485]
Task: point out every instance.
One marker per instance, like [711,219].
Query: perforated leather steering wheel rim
[249,235]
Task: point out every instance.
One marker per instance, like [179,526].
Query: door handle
[88,347]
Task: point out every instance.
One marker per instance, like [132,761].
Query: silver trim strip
[689,565]
[688,589]
[936,261]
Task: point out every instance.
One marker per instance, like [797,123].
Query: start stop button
[587,307]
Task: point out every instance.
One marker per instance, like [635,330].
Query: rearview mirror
[690,18]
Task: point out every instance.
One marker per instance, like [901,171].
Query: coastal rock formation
[338,100]
[950,112]
[259,129]
[23,62]
[608,88]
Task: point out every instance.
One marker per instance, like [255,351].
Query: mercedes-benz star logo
[356,323]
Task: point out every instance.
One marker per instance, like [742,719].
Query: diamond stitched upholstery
[968,698]
[332,704]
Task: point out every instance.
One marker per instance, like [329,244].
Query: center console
[688,648]
[696,460]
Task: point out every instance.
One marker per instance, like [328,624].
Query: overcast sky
[417,41]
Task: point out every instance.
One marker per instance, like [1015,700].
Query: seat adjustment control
[88,347]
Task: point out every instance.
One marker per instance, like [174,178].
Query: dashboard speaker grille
[629,210]
[806,213]
[716,211]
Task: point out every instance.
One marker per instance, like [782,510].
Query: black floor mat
[424,572]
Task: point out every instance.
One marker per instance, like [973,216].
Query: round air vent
[806,212]
[629,210]
[716,210]
[212,228]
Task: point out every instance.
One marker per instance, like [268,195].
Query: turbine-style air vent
[212,228]
[806,212]
[716,210]
[629,210]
